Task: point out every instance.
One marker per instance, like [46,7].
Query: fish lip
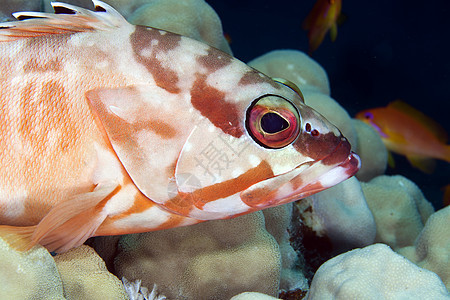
[280,189]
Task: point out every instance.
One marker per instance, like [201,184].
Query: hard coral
[84,276]
[431,250]
[399,208]
[374,272]
[217,259]
[252,296]
[28,275]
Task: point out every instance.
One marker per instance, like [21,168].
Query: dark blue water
[385,50]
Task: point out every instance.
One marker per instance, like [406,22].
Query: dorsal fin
[66,19]
[431,125]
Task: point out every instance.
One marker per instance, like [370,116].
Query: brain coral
[216,259]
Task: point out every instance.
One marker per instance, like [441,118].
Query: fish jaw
[307,179]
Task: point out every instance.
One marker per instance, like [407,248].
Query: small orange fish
[322,18]
[407,131]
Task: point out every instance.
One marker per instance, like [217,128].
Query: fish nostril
[308,127]
[315,132]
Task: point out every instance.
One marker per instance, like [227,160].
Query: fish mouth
[305,180]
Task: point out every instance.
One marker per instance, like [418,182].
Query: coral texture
[84,276]
[28,275]
[399,208]
[374,272]
[431,250]
[252,296]
[203,261]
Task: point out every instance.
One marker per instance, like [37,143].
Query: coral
[205,261]
[374,272]
[431,250]
[371,150]
[399,208]
[252,296]
[192,18]
[28,275]
[84,276]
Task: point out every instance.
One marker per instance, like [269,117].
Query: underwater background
[385,50]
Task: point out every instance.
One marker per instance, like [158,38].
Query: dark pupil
[273,123]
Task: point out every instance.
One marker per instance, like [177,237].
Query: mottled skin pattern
[109,128]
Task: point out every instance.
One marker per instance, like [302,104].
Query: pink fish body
[109,128]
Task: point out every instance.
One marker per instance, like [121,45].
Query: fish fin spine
[66,19]
[18,237]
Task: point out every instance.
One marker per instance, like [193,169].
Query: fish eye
[368,115]
[273,122]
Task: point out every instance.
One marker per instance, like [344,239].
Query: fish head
[287,151]
[371,118]
[212,138]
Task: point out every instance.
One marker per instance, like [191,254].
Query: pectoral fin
[69,224]
[18,238]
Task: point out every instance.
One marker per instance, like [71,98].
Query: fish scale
[111,128]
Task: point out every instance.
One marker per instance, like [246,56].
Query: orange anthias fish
[407,131]
[109,128]
[321,19]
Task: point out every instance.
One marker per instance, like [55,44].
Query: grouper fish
[109,128]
